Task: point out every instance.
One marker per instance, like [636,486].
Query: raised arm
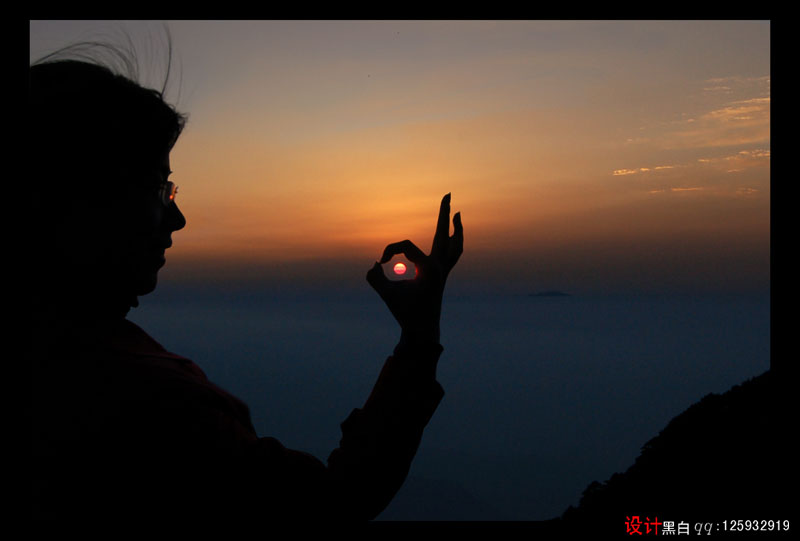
[380,440]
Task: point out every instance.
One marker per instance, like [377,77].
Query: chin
[146,284]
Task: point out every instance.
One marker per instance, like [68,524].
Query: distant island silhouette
[550,293]
[725,458]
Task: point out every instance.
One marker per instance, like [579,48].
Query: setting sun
[613,266]
[328,140]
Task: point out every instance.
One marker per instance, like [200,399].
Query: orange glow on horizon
[330,164]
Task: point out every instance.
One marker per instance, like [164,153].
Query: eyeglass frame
[167,192]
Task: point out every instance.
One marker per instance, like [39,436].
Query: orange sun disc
[400,268]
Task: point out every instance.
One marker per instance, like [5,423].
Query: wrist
[419,337]
[419,353]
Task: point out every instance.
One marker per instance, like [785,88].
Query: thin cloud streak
[311,140]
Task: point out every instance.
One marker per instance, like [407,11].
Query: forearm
[380,440]
[408,374]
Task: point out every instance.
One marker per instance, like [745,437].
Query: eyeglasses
[150,183]
[167,192]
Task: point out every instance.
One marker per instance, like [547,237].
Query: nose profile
[175,218]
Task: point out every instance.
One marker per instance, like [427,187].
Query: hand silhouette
[416,304]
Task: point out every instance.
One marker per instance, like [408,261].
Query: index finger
[442,234]
[405,247]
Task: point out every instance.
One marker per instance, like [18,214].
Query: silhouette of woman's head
[100,144]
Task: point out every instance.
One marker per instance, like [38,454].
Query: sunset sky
[584,156]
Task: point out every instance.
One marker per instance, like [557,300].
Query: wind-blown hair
[89,117]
